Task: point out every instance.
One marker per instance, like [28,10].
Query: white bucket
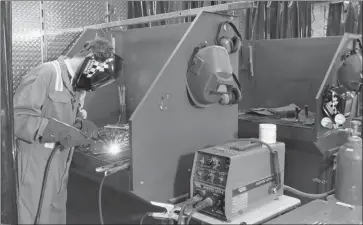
[268,133]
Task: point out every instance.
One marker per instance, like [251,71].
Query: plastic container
[267,133]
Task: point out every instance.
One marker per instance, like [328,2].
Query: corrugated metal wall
[43,30]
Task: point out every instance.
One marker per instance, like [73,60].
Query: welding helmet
[231,44]
[349,75]
[210,77]
[97,71]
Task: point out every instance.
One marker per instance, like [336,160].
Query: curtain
[344,18]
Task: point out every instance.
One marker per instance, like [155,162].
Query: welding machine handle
[276,169]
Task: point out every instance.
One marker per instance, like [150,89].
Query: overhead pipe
[8,166]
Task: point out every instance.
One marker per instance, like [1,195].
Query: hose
[44,183]
[208,202]
[190,201]
[307,195]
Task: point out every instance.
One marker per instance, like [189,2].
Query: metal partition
[145,52]
[285,71]
[295,71]
[166,129]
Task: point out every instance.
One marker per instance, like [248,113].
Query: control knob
[202,161]
[215,163]
[210,177]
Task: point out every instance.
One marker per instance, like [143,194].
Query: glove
[88,128]
[66,135]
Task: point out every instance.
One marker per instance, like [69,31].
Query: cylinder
[348,185]
[267,133]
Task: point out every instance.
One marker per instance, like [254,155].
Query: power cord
[307,195]
[208,202]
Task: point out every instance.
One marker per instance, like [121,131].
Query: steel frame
[164,16]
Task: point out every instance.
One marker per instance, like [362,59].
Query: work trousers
[32,160]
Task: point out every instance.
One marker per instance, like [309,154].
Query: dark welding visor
[96,72]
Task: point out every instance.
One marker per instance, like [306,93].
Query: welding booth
[295,71]
[166,130]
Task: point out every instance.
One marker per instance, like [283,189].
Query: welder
[52,94]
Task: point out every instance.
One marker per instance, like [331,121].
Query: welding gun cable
[143,218]
[208,202]
[190,201]
[44,183]
[181,213]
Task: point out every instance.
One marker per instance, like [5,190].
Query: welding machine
[238,176]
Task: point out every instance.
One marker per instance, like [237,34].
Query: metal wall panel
[72,14]
[59,44]
[120,10]
[62,16]
[26,47]
[164,139]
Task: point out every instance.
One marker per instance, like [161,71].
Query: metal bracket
[164,102]
[163,16]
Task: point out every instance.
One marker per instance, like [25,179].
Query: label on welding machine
[248,187]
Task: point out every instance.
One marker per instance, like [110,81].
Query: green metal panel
[164,139]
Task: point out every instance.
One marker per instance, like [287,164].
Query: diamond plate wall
[120,10]
[62,16]
[26,47]
[59,44]
[73,14]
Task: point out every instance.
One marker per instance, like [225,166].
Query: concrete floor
[118,208]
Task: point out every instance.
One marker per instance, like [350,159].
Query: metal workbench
[321,212]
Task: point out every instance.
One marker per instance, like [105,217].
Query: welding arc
[44,183]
